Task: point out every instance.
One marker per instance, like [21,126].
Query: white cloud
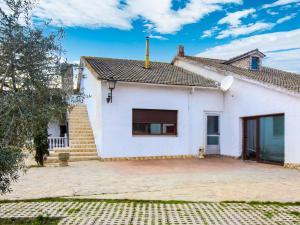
[209,33]
[253,27]
[245,29]
[166,20]
[272,13]
[158,37]
[287,60]
[82,13]
[279,3]
[283,48]
[120,13]
[234,19]
[286,18]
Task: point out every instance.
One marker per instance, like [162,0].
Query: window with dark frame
[254,63]
[154,122]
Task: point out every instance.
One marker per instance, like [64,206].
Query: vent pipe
[147,53]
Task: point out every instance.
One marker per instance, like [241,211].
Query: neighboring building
[177,109]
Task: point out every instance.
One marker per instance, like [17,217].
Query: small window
[255,63]
[154,122]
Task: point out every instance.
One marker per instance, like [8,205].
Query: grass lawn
[30,221]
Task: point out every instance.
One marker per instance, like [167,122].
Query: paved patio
[178,179]
[137,213]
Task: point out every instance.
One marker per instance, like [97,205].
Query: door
[212,134]
[250,135]
[264,138]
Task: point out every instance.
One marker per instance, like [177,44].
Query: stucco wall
[92,88]
[250,99]
[117,138]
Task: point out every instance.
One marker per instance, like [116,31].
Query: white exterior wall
[54,129]
[92,87]
[117,138]
[250,99]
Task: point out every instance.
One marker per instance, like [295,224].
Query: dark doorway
[264,138]
[63,130]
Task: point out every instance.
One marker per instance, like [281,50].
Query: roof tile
[134,71]
[279,78]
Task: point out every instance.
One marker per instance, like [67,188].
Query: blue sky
[211,28]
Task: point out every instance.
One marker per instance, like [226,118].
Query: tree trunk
[41,144]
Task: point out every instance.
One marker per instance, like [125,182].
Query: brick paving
[139,213]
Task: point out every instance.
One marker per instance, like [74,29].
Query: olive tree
[31,74]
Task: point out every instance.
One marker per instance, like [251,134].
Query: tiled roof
[266,75]
[134,71]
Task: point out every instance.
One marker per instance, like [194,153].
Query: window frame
[148,124]
[251,63]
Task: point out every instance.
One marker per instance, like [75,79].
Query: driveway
[177,179]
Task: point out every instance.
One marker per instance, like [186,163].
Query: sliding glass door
[251,139]
[264,138]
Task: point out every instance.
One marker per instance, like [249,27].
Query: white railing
[57,142]
[75,99]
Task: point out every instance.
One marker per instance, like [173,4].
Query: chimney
[180,51]
[147,53]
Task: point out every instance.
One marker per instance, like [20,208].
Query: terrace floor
[212,179]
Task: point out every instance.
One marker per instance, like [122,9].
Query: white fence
[57,142]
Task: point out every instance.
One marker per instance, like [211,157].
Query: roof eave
[240,77]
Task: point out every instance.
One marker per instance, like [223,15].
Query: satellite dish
[226,83]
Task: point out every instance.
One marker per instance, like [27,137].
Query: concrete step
[75,154]
[71,139]
[83,142]
[80,133]
[78,113]
[73,159]
[79,126]
[80,130]
[82,146]
[77,150]
[78,117]
[77,136]
[83,133]
[78,120]
[79,139]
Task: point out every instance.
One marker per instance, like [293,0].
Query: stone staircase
[81,140]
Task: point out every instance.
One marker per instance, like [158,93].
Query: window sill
[154,135]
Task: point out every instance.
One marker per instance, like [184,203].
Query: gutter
[166,85]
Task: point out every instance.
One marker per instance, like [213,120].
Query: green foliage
[11,161]
[31,81]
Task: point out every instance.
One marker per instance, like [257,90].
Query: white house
[177,109]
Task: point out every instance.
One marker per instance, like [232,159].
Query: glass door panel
[213,135]
[271,136]
[264,138]
[251,139]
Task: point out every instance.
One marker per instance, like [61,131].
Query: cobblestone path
[140,213]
